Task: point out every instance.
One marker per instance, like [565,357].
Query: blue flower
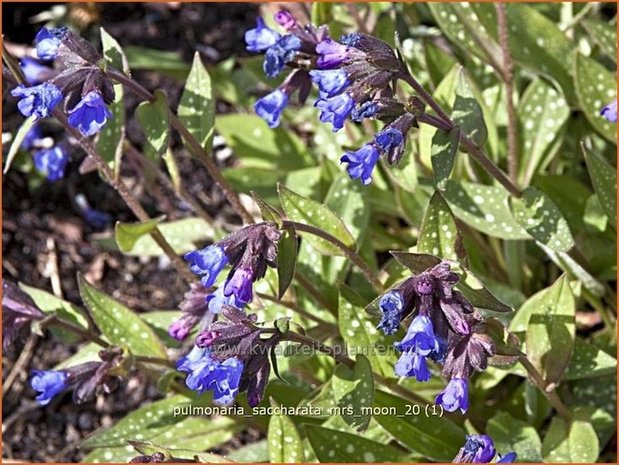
[331,54]
[610,111]
[391,304]
[208,374]
[335,110]
[48,41]
[37,100]
[51,162]
[207,263]
[389,139]
[270,107]
[508,458]
[218,299]
[419,343]
[90,114]
[455,396]
[365,110]
[32,136]
[34,72]
[240,285]
[260,38]
[330,82]
[480,447]
[96,218]
[279,54]
[361,163]
[48,383]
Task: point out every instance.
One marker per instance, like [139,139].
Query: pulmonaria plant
[355,78]
[444,328]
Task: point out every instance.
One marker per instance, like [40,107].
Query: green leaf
[286,261]
[404,173]
[596,87]
[575,442]
[604,179]
[196,109]
[166,62]
[269,213]
[551,330]
[541,218]
[513,435]
[155,121]
[162,423]
[589,361]
[439,234]
[49,303]
[605,34]
[127,234]
[435,438]
[111,137]
[310,212]
[20,135]
[334,446]
[361,336]
[118,324]
[594,214]
[444,150]
[467,112]
[253,453]
[484,208]
[285,445]
[542,114]
[347,199]
[353,391]
[149,448]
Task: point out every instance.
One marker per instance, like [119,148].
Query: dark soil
[43,229]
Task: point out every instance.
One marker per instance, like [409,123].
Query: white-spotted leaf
[444,150]
[574,441]
[604,179]
[513,435]
[155,121]
[285,445]
[439,234]
[353,392]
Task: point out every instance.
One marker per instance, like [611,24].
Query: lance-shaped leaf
[268,212]
[467,112]
[118,324]
[605,34]
[511,434]
[111,137]
[541,218]
[155,121]
[310,212]
[127,234]
[20,135]
[596,87]
[285,444]
[574,441]
[196,109]
[439,234]
[287,250]
[353,391]
[604,179]
[551,330]
[444,150]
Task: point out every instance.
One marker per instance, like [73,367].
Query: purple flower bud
[365,110]
[389,139]
[260,38]
[39,100]
[240,285]
[455,396]
[207,263]
[51,162]
[335,110]
[361,163]
[330,82]
[610,111]
[218,299]
[90,114]
[285,19]
[279,54]
[206,373]
[206,338]
[391,304]
[34,72]
[49,384]
[180,328]
[331,54]
[270,107]
[48,41]
[508,458]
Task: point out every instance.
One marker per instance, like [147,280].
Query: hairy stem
[353,256]
[194,146]
[507,75]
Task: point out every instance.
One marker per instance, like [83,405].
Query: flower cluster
[354,78]
[445,328]
[479,448]
[228,356]
[86,378]
[76,78]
